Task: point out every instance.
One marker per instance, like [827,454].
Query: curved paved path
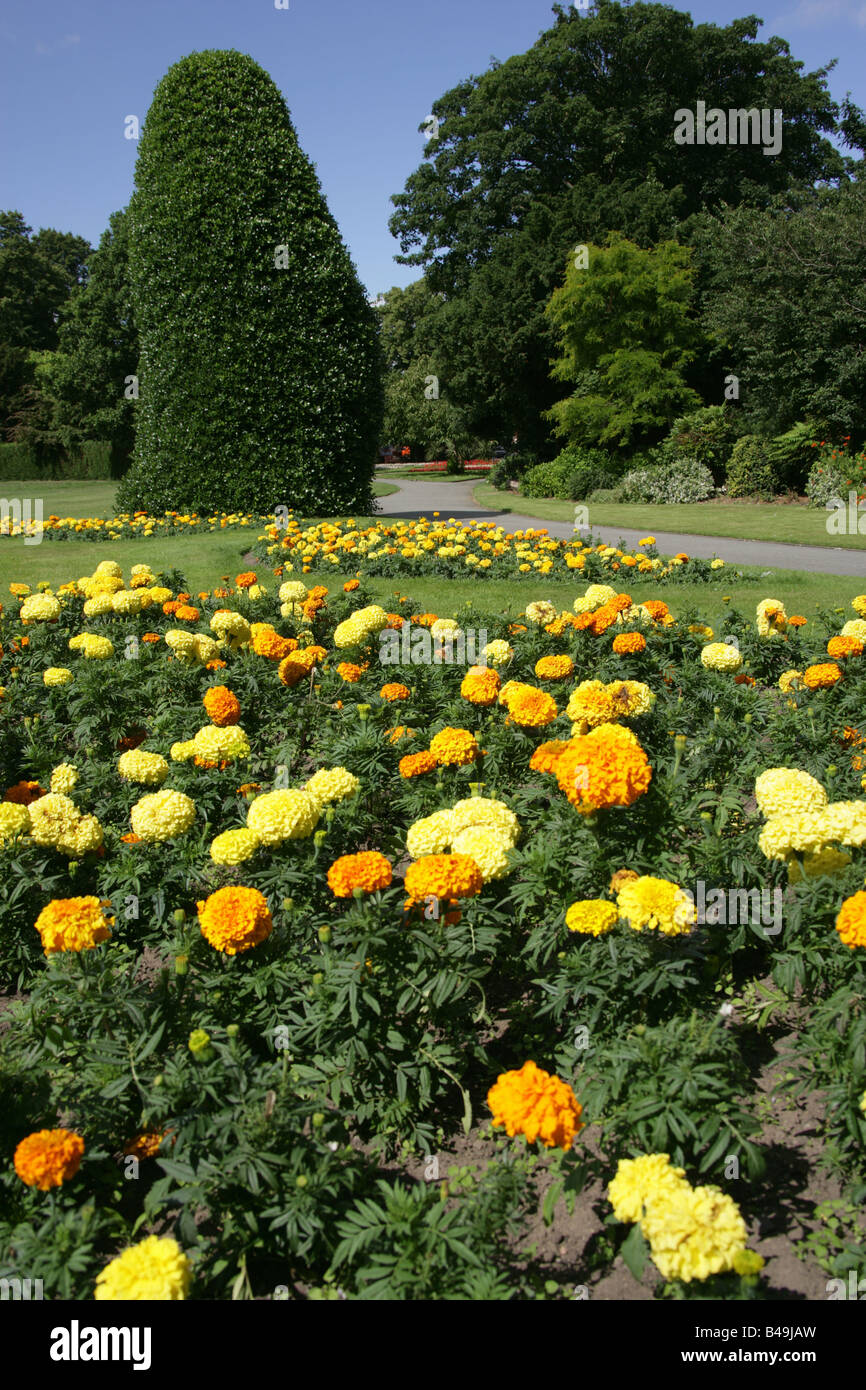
[453,497]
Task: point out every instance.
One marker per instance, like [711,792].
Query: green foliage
[573,474]
[792,454]
[626,335]
[706,435]
[678,480]
[751,471]
[260,366]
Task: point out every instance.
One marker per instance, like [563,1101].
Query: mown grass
[792,523]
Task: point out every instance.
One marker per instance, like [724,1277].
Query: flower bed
[282,914]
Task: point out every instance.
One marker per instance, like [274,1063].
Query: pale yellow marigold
[498,652]
[790,680]
[64,778]
[147,769]
[430,835]
[127,601]
[484,811]
[162,815]
[154,1271]
[486,847]
[827,861]
[293,591]
[182,751]
[232,627]
[638,1180]
[332,784]
[14,821]
[540,613]
[787,791]
[772,620]
[693,1232]
[283,815]
[98,606]
[234,846]
[721,656]
[214,744]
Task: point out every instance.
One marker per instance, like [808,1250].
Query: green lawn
[748,521]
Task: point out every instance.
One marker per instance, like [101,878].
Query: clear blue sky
[359,77]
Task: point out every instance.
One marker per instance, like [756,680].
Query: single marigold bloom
[186,614]
[215,665]
[454,747]
[235,919]
[822,676]
[851,921]
[443,876]
[146,1145]
[246,580]
[267,642]
[480,685]
[23,793]
[171,606]
[424,619]
[415,764]
[604,768]
[131,839]
[844,646]
[629,643]
[797,620]
[545,756]
[48,1158]
[656,904]
[394,691]
[155,1270]
[223,707]
[537,1105]
[369,871]
[591,917]
[72,924]
[554,668]
[532,709]
[151,637]
[350,586]
[656,609]
[349,672]
[299,664]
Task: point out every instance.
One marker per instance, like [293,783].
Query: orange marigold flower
[620,602]
[299,664]
[621,878]
[546,754]
[454,747]
[349,672]
[797,620]
[369,871]
[844,646]
[72,924]
[146,1145]
[350,586]
[537,1105]
[186,614]
[318,591]
[424,619]
[851,921]
[554,668]
[656,608]
[233,920]
[399,731]
[628,643]
[246,787]
[48,1158]
[443,876]
[822,676]
[743,679]
[394,691]
[245,580]
[480,685]
[131,838]
[414,764]
[215,665]
[268,643]
[532,709]
[606,767]
[151,637]
[23,793]
[171,606]
[223,707]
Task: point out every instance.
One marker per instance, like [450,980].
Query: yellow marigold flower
[332,784]
[629,699]
[790,680]
[162,815]
[369,871]
[283,815]
[128,601]
[498,652]
[591,917]
[148,769]
[640,1179]
[234,846]
[430,835]
[293,591]
[480,685]
[487,847]
[859,605]
[826,861]
[772,620]
[822,676]
[91,646]
[693,1232]
[56,675]
[721,656]
[787,791]
[234,920]
[656,904]
[554,668]
[537,1105]
[55,820]
[40,608]
[629,643]
[222,706]
[540,613]
[232,627]
[48,1158]
[14,821]
[532,709]
[477,811]
[443,876]
[182,752]
[416,764]
[454,747]
[155,1270]
[590,705]
[851,921]
[217,745]
[72,924]
[855,628]
[64,778]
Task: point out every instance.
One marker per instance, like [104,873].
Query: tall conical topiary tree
[260,372]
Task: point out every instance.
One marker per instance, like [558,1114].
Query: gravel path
[453,498]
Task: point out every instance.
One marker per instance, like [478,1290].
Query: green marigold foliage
[260,368]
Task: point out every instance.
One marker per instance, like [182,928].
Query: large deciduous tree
[259,358]
[571,140]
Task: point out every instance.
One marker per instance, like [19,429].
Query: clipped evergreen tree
[260,371]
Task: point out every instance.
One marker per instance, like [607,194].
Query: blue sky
[359,77]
